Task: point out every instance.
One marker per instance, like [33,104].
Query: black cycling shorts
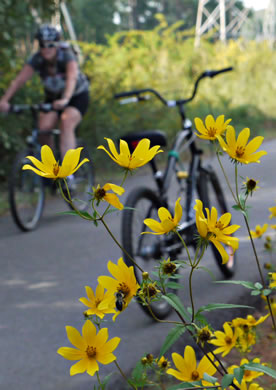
[80,102]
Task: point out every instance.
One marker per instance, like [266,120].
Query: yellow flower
[100,303]
[272,276]
[187,368]
[248,322]
[248,375]
[216,231]
[48,166]
[273,212]
[212,127]
[123,285]
[167,222]
[273,226]
[238,149]
[163,363]
[141,155]
[251,386]
[91,348]
[250,185]
[100,193]
[259,231]
[225,341]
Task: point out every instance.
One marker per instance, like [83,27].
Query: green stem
[260,271]
[69,200]
[119,245]
[191,293]
[124,375]
[236,182]
[226,178]
[98,377]
[162,321]
[185,246]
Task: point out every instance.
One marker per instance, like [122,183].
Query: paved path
[43,274]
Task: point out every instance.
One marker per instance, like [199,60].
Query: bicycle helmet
[46,32]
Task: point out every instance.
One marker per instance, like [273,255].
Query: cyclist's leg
[47,122]
[69,120]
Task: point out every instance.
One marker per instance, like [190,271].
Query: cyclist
[64,85]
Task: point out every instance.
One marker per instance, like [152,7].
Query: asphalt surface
[43,273]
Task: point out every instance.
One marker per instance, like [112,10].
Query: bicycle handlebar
[18,108]
[135,94]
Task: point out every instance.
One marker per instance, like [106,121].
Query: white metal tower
[269,22]
[216,19]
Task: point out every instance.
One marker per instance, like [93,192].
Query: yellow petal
[112,148]
[70,353]
[106,358]
[141,149]
[190,358]
[75,338]
[113,187]
[101,339]
[47,157]
[243,137]
[177,211]
[114,201]
[72,157]
[209,121]
[92,367]
[220,248]
[79,367]
[39,164]
[154,225]
[164,213]
[200,126]
[43,174]
[89,332]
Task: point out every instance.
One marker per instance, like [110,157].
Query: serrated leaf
[243,283]
[227,380]
[176,303]
[238,373]
[209,378]
[218,306]
[260,368]
[171,338]
[174,285]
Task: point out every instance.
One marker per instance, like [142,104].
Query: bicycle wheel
[211,194]
[145,249]
[26,193]
[83,181]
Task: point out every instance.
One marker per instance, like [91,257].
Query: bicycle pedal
[182,174]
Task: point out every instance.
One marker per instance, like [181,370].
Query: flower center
[219,225]
[123,288]
[91,352]
[247,373]
[228,340]
[212,131]
[55,169]
[195,375]
[97,302]
[99,193]
[240,151]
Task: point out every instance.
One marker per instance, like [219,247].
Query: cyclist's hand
[4,106]
[60,104]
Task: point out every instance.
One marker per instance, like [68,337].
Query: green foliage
[164,59]
[171,338]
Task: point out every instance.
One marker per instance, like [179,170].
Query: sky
[256,4]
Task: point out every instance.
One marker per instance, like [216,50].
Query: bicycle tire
[26,194]
[83,181]
[143,203]
[211,194]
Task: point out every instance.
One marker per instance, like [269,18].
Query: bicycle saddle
[156,137]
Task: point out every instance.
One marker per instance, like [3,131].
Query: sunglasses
[47,45]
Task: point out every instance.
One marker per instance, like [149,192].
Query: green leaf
[72,212]
[209,378]
[174,285]
[218,306]
[238,373]
[176,303]
[243,283]
[137,373]
[260,368]
[184,385]
[256,292]
[266,292]
[106,378]
[258,285]
[171,338]
[227,380]
[208,271]
[236,207]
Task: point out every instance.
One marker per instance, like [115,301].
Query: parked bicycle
[27,190]
[198,181]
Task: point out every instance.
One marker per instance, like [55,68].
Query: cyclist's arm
[70,85]
[24,75]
